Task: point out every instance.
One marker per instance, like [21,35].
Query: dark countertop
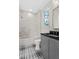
[51,36]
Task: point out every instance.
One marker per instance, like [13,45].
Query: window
[46,14]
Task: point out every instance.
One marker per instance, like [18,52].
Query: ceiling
[32,5]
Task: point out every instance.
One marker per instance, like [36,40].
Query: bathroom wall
[29,25]
[47,28]
[53,17]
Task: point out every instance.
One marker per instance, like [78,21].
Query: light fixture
[57,2]
[30,14]
[30,10]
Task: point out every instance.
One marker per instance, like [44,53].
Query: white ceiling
[35,5]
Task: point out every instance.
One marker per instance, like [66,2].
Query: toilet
[37,43]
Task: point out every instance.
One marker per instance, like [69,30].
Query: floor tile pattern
[29,53]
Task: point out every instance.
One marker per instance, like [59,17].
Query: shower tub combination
[27,42]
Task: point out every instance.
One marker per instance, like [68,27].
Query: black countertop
[52,34]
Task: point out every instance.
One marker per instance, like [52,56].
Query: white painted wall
[44,28]
[53,17]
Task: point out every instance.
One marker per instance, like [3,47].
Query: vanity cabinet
[45,46]
[53,49]
[49,47]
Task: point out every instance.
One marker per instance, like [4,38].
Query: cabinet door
[44,46]
[53,49]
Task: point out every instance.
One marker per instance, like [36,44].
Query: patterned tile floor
[29,53]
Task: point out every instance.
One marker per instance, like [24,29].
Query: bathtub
[26,42]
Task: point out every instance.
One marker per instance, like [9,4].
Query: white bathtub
[28,41]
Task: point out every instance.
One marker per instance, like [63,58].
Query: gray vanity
[50,46]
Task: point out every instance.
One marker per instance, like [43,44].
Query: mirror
[55,18]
